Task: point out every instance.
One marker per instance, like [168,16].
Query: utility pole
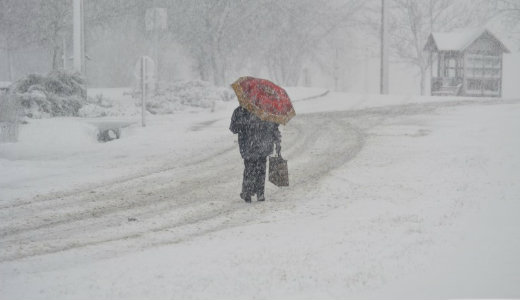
[79,37]
[430,53]
[156,46]
[431,16]
[384,51]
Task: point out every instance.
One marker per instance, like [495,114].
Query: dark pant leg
[248,180]
[253,181]
[260,168]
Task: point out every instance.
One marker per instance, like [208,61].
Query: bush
[181,94]
[57,94]
[170,98]
[101,106]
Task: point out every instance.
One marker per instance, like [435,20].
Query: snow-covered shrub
[181,94]
[92,110]
[95,107]
[9,118]
[170,98]
[101,106]
[57,94]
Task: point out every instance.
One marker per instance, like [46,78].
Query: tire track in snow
[86,205]
[60,195]
[88,220]
[194,199]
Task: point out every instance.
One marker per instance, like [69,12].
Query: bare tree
[54,21]
[510,9]
[285,43]
[335,57]
[16,30]
[301,31]
[224,36]
[509,12]
[213,33]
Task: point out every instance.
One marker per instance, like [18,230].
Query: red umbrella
[263,98]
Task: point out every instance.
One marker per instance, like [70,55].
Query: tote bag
[278,171]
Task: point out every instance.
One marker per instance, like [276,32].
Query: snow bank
[340,101]
[50,150]
[56,137]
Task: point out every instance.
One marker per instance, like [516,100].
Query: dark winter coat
[255,137]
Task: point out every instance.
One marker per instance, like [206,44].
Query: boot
[261,197]
[246,198]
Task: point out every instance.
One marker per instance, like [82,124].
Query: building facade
[466,63]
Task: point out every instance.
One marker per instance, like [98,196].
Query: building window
[452,67]
[483,66]
[486,85]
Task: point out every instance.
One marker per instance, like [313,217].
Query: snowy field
[390,197]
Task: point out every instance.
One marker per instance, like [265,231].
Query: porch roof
[458,40]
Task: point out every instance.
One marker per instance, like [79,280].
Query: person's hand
[278,149]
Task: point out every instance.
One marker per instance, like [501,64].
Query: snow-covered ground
[390,197]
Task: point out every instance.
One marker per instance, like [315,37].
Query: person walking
[263,106]
[256,139]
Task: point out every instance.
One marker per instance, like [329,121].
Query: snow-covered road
[375,193]
[173,203]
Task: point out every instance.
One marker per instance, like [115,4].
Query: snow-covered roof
[458,40]
[455,40]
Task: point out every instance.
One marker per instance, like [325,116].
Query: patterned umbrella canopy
[263,98]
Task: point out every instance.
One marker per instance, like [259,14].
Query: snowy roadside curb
[333,101]
[313,97]
[298,94]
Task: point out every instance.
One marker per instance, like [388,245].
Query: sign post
[143,91]
[145,75]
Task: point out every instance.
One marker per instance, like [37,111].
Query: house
[466,63]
